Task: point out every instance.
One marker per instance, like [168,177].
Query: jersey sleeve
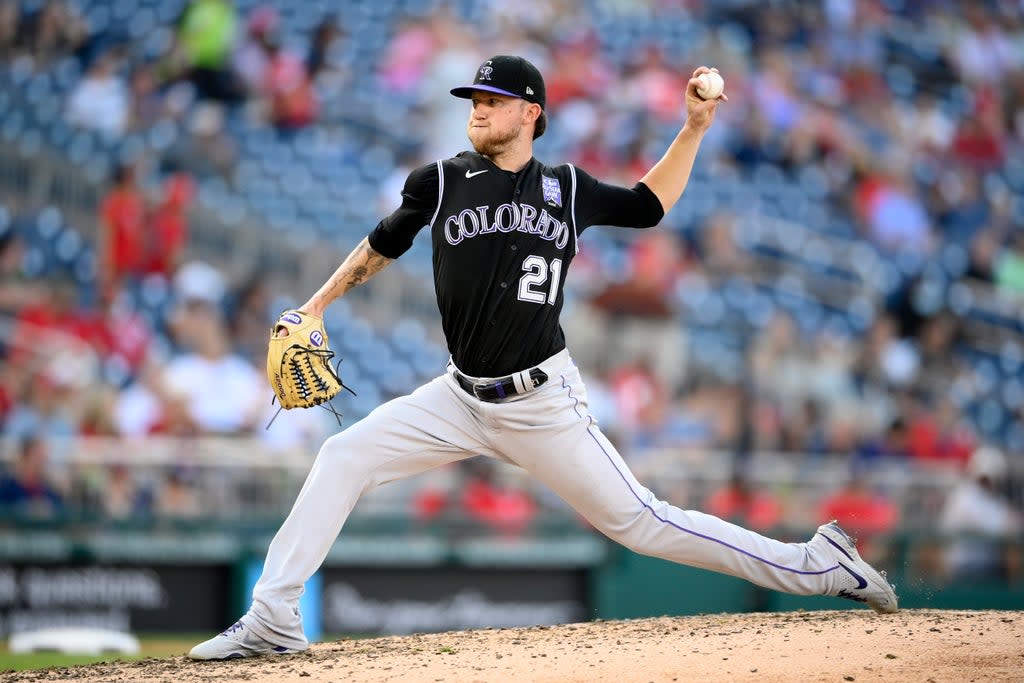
[599,203]
[393,236]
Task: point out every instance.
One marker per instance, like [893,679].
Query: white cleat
[237,642]
[861,582]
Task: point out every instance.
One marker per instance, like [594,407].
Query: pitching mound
[924,646]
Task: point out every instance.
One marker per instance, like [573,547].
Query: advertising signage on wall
[123,598]
[400,601]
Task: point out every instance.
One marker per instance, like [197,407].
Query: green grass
[152,646]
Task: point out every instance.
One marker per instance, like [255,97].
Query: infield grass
[152,646]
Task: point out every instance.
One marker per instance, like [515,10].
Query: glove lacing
[300,367]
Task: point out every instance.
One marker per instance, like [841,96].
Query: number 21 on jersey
[535,273]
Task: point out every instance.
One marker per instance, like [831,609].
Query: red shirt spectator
[978,146]
[170,225]
[941,436]
[508,509]
[640,396]
[113,331]
[46,327]
[861,511]
[737,502]
[122,229]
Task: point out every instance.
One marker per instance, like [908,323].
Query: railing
[231,478]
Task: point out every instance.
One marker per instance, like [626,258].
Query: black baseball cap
[507,75]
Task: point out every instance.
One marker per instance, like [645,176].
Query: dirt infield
[923,646]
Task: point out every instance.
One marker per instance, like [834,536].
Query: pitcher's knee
[339,454]
[626,529]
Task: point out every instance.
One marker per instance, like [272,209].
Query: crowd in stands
[887,129]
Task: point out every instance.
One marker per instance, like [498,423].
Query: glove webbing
[302,354]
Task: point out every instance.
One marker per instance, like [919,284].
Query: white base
[78,641]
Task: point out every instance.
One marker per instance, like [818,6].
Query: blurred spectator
[169,224]
[635,313]
[886,359]
[655,85]
[206,150]
[207,34]
[122,498]
[101,100]
[865,513]
[406,57]
[208,357]
[46,406]
[983,252]
[122,239]
[147,101]
[939,434]
[486,498]
[1009,265]
[720,256]
[198,282]
[52,31]
[145,405]
[27,489]
[982,521]
[96,411]
[894,216]
[250,318]
[891,442]
[10,36]
[937,337]
[251,57]
[47,327]
[288,88]
[803,428]
[778,362]
[17,290]
[117,333]
[978,145]
[444,118]
[325,62]
[741,503]
[709,415]
[177,497]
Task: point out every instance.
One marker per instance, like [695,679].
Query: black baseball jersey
[502,245]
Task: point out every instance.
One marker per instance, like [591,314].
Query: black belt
[498,390]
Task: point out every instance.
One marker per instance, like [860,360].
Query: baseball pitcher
[504,229]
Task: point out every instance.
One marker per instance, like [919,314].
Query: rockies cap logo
[485,72]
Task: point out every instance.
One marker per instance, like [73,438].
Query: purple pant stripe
[640,500]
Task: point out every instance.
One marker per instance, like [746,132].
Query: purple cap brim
[466,92]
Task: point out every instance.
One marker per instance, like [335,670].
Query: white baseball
[711,85]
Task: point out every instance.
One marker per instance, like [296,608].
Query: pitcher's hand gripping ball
[712,85]
[299,362]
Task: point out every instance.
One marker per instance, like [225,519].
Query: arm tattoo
[361,265]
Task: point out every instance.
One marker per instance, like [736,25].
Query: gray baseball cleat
[236,642]
[860,581]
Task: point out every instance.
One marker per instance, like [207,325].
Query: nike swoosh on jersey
[473,173]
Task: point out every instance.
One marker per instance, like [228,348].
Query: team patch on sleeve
[552,191]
